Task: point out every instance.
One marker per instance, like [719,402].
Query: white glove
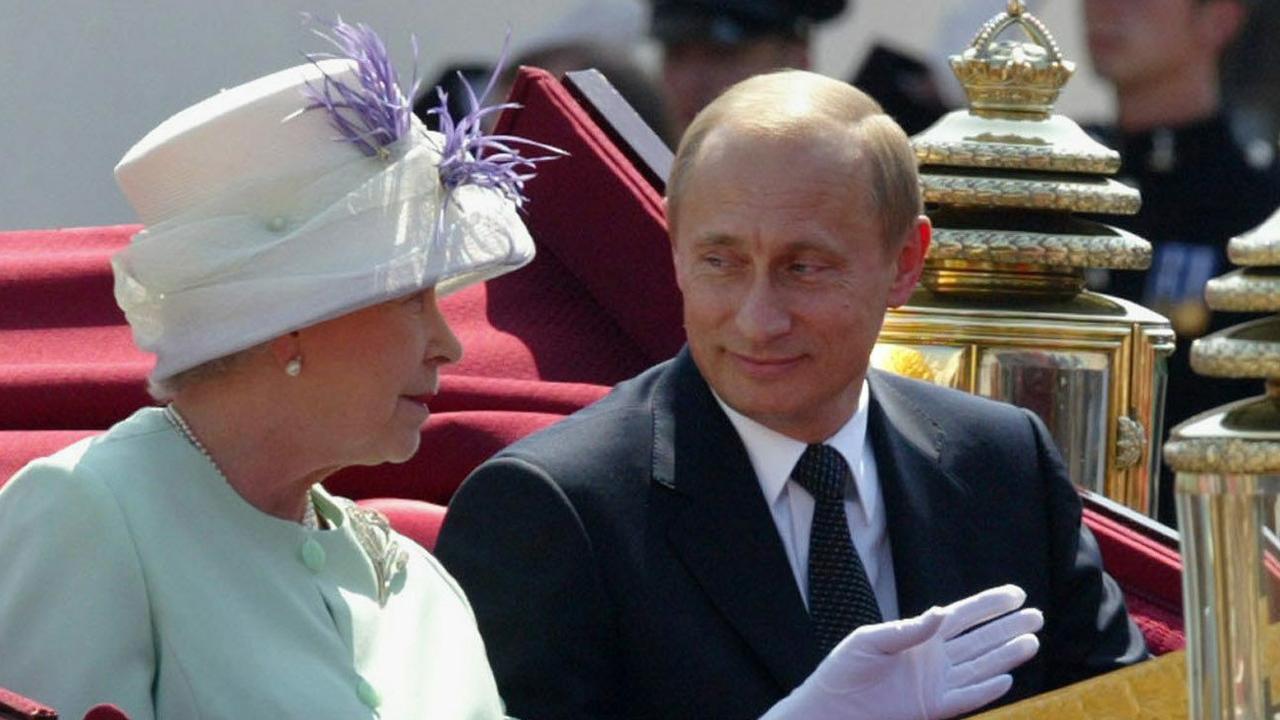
[921,668]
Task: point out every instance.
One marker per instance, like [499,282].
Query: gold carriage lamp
[1003,311]
[1228,483]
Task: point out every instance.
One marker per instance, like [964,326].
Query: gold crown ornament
[1008,77]
[1004,178]
[1002,310]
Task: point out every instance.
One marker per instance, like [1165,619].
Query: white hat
[262,219]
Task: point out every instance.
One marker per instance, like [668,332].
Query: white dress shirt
[773,457]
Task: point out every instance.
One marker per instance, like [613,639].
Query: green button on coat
[313,555]
[367,694]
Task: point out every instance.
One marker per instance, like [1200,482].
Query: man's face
[695,72]
[785,276]
[1133,42]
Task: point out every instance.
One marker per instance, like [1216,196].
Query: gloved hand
[922,668]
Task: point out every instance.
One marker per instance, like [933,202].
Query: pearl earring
[293,368]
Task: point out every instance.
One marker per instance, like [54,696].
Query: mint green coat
[131,573]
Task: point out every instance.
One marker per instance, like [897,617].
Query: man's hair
[795,101]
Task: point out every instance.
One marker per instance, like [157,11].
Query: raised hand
[936,665]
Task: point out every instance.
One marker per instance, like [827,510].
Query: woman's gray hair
[165,389]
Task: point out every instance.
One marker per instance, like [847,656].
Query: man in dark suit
[669,552]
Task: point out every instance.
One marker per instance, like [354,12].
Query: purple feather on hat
[470,157]
[377,114]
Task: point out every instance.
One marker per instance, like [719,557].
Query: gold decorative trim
[1223,456]
[1151,690]
[1131,442]
[1220,356]
[972,279]
[1240,292]
[1004,156]
[1108,197]
[1259,246]
[1156,688]
[1007,77]
[902,360]
[1123,252]
[1254,250]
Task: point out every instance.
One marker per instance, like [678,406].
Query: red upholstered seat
[460,392]
[105,712]
[1161,626]
[55,278]
[417,520]
[19,447]
[66,357]
[16,707]
[597,216]
[453,444]
[1144,560]
[13,705]
[598,304]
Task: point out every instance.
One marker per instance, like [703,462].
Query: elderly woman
[187,563]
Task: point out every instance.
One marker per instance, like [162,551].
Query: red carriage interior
[598,305]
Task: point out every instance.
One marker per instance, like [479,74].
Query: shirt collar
[774,455]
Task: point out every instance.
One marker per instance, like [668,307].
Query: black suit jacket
[624,563]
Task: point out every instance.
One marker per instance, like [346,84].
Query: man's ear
[909,262]
[671,237]
[1220,22]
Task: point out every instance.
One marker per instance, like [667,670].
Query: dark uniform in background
[708,45]
[903,85]
[731,22]
[1201,185]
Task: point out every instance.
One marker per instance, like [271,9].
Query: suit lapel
[928,511]
[722,528]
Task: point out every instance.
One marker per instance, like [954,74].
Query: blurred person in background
[604,35]
[708,45]
[1202,179]
[1251,73]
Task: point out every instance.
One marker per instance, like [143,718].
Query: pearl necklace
[309,518]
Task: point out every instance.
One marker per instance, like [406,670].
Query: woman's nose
[442,345]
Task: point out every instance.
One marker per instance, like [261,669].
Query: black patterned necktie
[840,596]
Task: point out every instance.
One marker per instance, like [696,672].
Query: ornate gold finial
[1010,78]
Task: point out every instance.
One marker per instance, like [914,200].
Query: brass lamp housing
[1228,491]
[1003,311]
[1090,366]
